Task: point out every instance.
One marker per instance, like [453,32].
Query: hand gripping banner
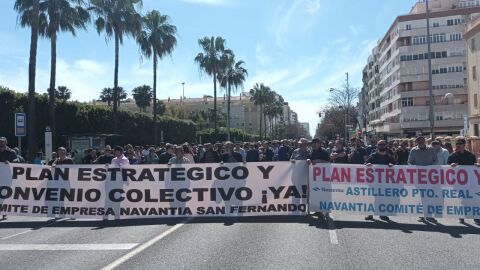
[152,191]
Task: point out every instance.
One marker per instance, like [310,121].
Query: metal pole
[183,91]
[346,110]
[430,79]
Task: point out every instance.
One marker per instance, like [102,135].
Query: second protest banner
[145,191]
[432,191]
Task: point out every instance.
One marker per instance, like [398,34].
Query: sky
[300,48]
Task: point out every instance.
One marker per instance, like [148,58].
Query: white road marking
[143,246]
[76,247]
[332,231]
[33,229]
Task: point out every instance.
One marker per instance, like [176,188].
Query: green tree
[261,95]
[156,39]
[107,95]
[233,77]
[142,96]
[272,111]
[28,16]
[63,93]
[116,18]
[212,61]
[59,16]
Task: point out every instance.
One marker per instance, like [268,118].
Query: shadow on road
[455,231]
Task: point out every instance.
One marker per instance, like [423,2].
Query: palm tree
[28,16]
[116,18]
[57,16]
[272,110]
[107,95]
[143,96]
[260,96]
[212,61]
[233,76]
[156,39]
[63,93]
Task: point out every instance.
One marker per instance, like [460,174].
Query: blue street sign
[20,125]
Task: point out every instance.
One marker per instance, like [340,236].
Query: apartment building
[472,38]
[396,78]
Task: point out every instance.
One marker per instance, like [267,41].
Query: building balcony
[425,124]
[436,92]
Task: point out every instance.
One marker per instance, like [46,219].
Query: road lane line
[33,229]
[76,247]
[332,231]
[143,246]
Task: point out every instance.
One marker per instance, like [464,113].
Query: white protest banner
[433,191]
[151,191]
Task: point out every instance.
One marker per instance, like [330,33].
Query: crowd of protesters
[315,151]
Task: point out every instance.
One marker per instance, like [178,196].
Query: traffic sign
[20,125]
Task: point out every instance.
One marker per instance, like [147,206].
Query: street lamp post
[430,79]
[183,91]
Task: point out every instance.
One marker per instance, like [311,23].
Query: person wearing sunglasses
[462,156]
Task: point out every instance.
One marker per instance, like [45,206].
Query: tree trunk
[155,126]
[228,112]
[261,113]
[31,132]
[115,86]
[215,103]
[53,68]
[265,125]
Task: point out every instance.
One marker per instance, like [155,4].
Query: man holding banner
[380,157]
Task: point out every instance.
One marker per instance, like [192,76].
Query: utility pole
[430,79]
[183,91]
[346,109]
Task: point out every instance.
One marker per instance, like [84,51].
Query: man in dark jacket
[284,151]
[230,156]
[461,156]
[165,157]
[381,156]
[6,154]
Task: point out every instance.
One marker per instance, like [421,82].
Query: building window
[476,131]
[408,27]
[474,73]
[407,102]
[436,24]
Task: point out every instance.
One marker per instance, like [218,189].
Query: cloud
[297,18]
[209,2]
[356,29]
[262,57]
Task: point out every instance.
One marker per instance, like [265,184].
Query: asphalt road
[344,242]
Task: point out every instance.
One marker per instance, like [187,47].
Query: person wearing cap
[107,156]
[318,155]
[230,156]
[6,154]
[461,156]
[302,152]
[442,153]
[422,155]
[179,157]
[120,159]
[62,158]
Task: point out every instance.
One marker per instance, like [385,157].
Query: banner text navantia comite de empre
[431,191]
